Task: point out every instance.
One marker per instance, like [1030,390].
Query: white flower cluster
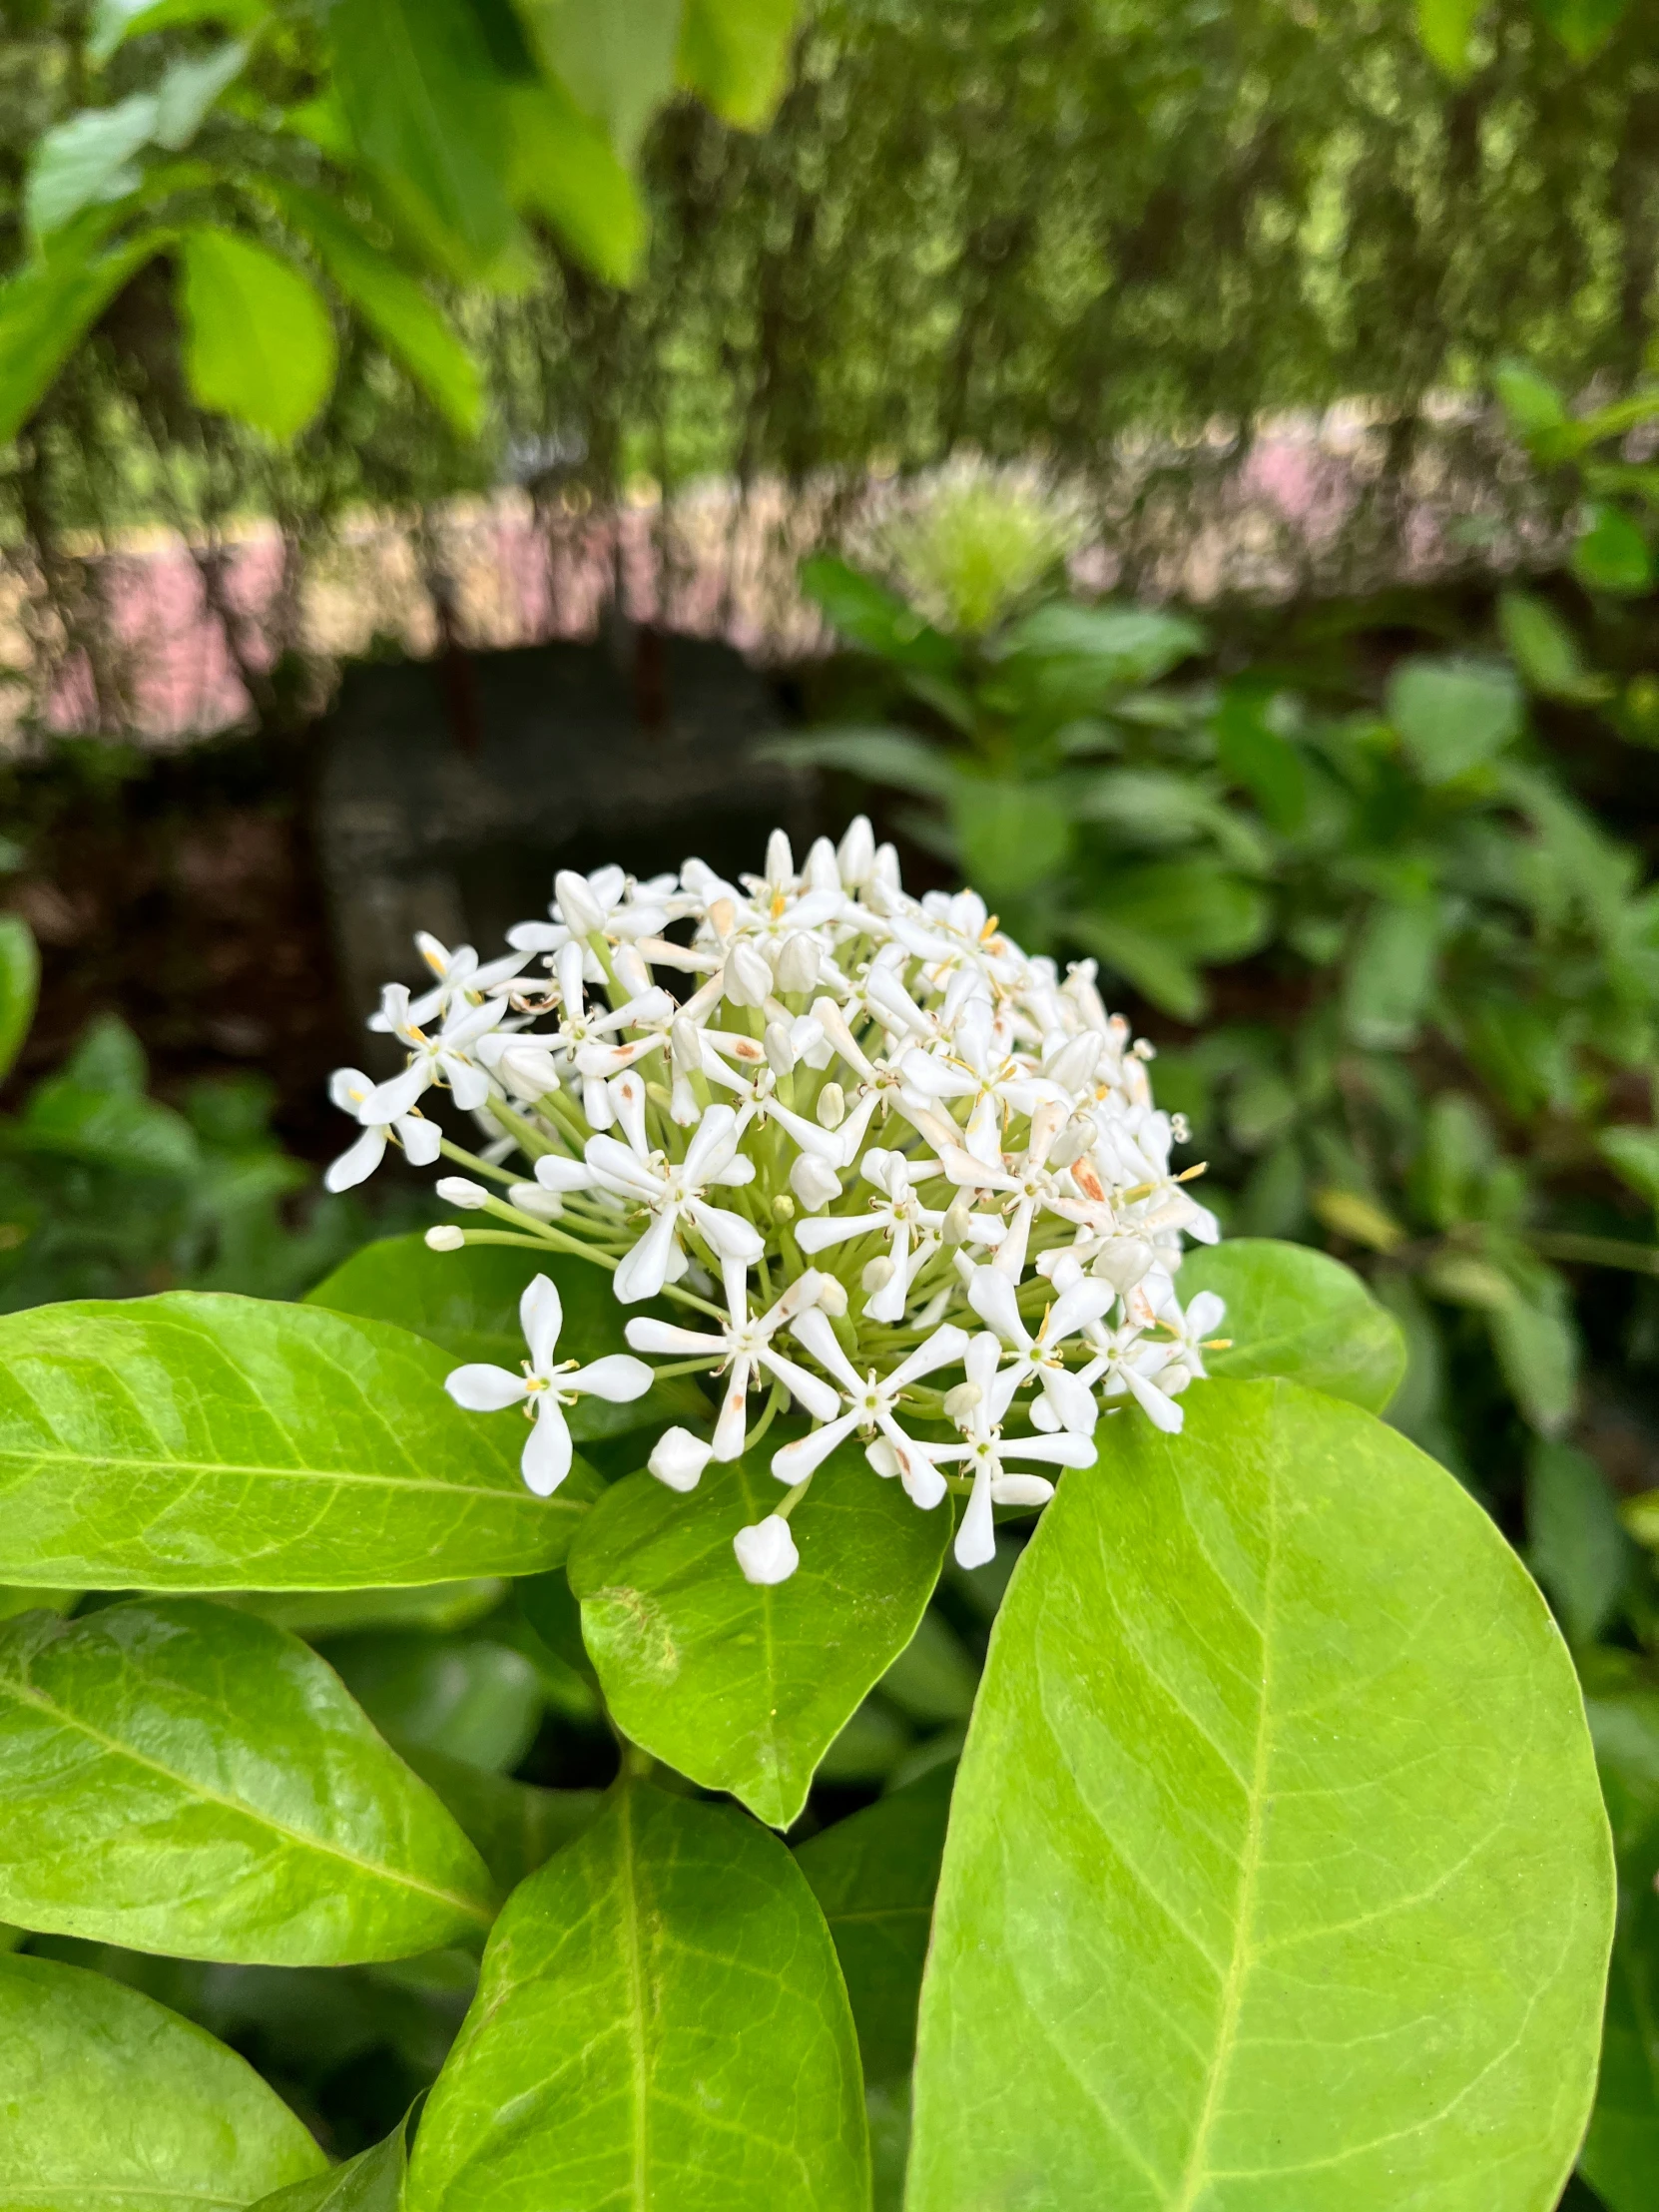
[870,1142]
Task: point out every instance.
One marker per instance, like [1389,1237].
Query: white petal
[1021,1490]
[1077,1305]
[766,1552]
[358,1161]
[615,1376]
[541,1316]
[1206,1312]
[733,1424]
[807,1389]
[389,1100]
[730,1233]
[643,1271]
[1163,1412]
[813,1330]
[677,1458]
[976,1537]
[820,1233]
[648,1334]
[347,1088]
[1063,1451]
[469,1085]
[940,1350]
[545,1460]
[422,1139]
[995,1300]
[793,1462]
[485,1390]
[555,1173]
[1071,1400]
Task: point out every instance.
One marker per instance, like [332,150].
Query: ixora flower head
[897,1176]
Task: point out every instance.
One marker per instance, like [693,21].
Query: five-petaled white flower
[1066,1399]
[984,1449]
[421,1140]
[744,1347]
[459,976]
[872,1401]
[547,1387]
[448,1058]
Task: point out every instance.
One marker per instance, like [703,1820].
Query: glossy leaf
[113,2101]
[745,1687]
[425,106]
[473,1698]
[193,1442]
[408,324]
[181,1777]
[19,987]
[1278,1872]
[734,53]
[1452,715]
[371,2182]
[467,1302]
[1296,1312]
[515,1827]
[259,345]
[660,2021]
[875,1876]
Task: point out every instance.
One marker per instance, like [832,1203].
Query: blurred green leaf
[1088,653]
[617,62]
[1536,1341]
[875,1876]
[890,756]
[1445,28]
[19,987]
[1451,715]
[1633,1155]
[259,342]
[468,1698]
[114,2100]
[1545,650]
[1610,554]
[47,307]
[1296,1312]
[1576,1544]
[563,166]
[735,54]
[515,1827]
[114,20]
[190,88]
[1391,974]
[1530,400]
[933,1679]
[85,160]
[744,1687]
[1583,27]
[873,617]
[660,2020]
[1253,755]
[1012,836]
[137,1136]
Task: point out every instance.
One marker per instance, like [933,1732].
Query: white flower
[872,1400]
[458,978]
[984,1449]
[900,1216]
[766,1552]
[352,1090]
[672,1191]
[1065,1395]
[446,1058]
[606,903]
[744,1347]
[545,1389]
[981,1070]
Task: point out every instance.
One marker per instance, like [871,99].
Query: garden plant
[1275,1869]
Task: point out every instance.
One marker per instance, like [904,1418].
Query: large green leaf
[47,307]
[874,1877]
[563,166]
[660,2022]
[1296,1312]
[1278,1872]
[407,323]
[617,62]
[516,1827]
[733,53]
[371,2182]
[1451,715]
[467,1301]
[181,1777]
[114,2104]
[259,345]
[745,1687]
[427,108]
[472,1698]
[191,1442]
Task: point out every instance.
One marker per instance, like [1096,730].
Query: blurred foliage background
[1009,310]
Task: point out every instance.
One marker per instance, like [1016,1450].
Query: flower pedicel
[892,1172]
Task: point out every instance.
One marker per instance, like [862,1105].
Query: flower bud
[1074,1067]
[882,1458]
[798,964]
[778,1050]
[960,1401]
[780,868]
[1072,1142]
[832,1106]
[457,1190]
[530,1198]
[877,1275]
[748,978]
[831,1295]
[446,1237]
[580,911]
[677,1458]
[958,1219]
[527,1069]
[766,1552]
[813,1181]
[687,1045]
[1173,1379]
[783,1207]
[1122,1263]
[821,873]
[632,972]
[855,854]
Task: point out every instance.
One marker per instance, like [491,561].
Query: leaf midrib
[251,1814]
[135,1462]
[1198,2171]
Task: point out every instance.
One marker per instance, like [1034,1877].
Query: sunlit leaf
[1296,1312]
[259,345]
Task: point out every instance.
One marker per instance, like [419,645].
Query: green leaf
[933,1679]
[660,2020]
[1143,961]
[1575,1543]
[1453,714]
[315,1614]
[1251,752]
[108,1058]
[1633,1155]
[1153,922]
[467,1302]
[1532,403]
[114,20]
[1583,27]
[875,618]
[371,2182]
[108,1129]
[617,62]
[1108,648]
[734,53]
[1537,1343]
[181,1777]
[19,987]
[188,89]
[115,2103]
[1545,650]
[745,1687]
[1445,28]
[515,1827]
[1278,1872]
[892,757]
[474,1700]
[85,160]
[1012,836]
[1621,2151]
[408,324]
[1298,1313]
[875,1876]
[564,167]
[259,345]
[48,307]
[194,1442]
[1391,974]
[1610,554]
[425,106]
